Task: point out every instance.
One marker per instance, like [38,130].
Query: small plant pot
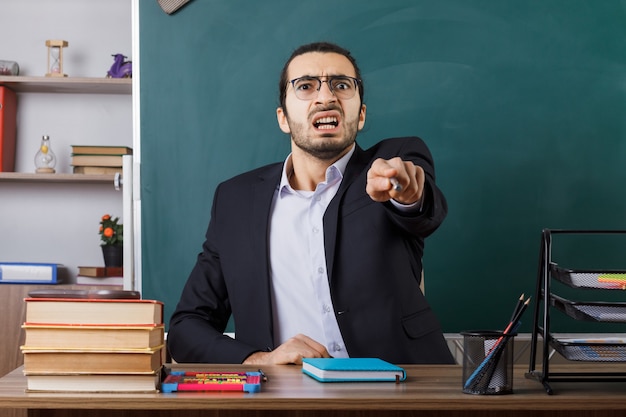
[113,255]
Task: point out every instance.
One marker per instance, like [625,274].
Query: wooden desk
[428,391]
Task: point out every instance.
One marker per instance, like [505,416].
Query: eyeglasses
[342,86]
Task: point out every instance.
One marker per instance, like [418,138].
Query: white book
[124,383]
[83,280]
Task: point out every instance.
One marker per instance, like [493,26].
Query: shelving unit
[605,350]
[60,178]
[67,85]
[54,217]
[76,86]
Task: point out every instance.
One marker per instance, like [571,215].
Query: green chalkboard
[523,104]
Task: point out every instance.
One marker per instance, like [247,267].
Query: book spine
[8,126]
[84,280]
[25,273]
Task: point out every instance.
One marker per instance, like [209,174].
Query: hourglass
[55,58]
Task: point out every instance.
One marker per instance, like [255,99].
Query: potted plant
[112,238]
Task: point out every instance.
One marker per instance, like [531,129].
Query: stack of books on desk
[98,160]
[93,345]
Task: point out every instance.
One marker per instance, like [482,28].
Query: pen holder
[487,362]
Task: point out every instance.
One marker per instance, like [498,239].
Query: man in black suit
[319,255]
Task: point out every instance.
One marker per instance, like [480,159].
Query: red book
[8,121]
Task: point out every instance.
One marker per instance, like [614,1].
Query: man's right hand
[290,352]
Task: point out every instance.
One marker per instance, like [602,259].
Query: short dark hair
[324,47]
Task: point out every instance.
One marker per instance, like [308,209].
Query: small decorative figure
[120,68]
[45,160]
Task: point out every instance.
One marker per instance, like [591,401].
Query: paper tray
[591,350]
[591,311]
[595,279]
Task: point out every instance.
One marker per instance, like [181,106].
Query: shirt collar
[339,166]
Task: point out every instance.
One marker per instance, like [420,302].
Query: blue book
[27,273]
[352,369]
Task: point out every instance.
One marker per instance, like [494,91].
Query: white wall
[58,222]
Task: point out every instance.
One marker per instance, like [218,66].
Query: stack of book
[93,345]
[98,160]
[100,275]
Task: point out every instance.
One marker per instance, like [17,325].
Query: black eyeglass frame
[328,80]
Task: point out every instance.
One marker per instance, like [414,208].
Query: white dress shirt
[301,300]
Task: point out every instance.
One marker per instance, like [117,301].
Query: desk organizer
[591,351]
[607,349]
[177,381]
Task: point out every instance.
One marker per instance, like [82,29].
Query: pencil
[514,321]
[513,324]
[395,184]
[517,307]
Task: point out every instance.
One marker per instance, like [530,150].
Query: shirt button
[326,308]
[320,270]
[315,230]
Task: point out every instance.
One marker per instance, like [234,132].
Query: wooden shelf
[59,178]
[68,85]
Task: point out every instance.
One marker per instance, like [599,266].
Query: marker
[395,184]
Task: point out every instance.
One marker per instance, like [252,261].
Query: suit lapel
[262,195]
[354,168]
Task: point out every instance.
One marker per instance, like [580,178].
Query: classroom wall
[521,102]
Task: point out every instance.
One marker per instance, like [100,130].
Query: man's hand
[292,351]
[410,177]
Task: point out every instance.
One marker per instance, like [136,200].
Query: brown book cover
[96,160]
[93,311]
[101,271]
[8,126]
[101,150]
[92,337]
[89,361]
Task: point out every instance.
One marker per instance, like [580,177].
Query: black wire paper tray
[591,311]
[595,279]
[591,350]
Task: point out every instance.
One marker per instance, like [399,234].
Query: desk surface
[426,388]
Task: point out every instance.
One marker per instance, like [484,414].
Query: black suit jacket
[373,255]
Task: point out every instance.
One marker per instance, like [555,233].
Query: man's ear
[282,120]
[362,117]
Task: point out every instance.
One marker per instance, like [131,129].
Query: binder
[27,273]
[8,122]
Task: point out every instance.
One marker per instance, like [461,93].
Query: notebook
[352,369]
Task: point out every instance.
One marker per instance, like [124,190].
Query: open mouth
[328,122]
